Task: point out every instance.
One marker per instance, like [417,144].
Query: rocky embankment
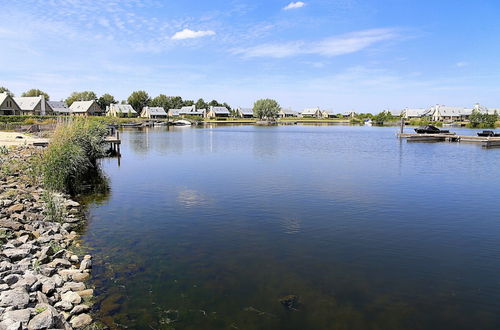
[42,282]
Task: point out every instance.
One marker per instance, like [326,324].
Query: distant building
[34,105]
[245,112]
[59,107]
[348,114]
[217,112]
[120,110]
[192,111]
[443,112]
[8,106]
[328,114]
[311,113]
[395,112]
[284,113]
[153,112]
[413,113]
[85,108]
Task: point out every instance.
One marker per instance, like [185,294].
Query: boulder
[22,315]
[86,264]
[85,293]
[78,309]
[18,298]
[73,286]
[5,223]
[80,321]
[11,325]
[44,320]
[17,208]
[71,297]
[15,254]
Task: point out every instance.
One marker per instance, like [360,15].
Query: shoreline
[42,278]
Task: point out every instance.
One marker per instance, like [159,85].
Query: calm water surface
[207,228]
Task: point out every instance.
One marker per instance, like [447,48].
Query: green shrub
[54,207]
[72,154]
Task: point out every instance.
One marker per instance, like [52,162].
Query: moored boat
[182,122]
[488,133]
[430,129]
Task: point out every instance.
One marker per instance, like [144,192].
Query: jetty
[486,142]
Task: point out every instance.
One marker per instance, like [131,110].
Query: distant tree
[106,100]
[139,100]
[6,90]
[214,103]
[81,96]
[163,101]
[35,92]
[227,106]
[176,102]
[482,120]
[266,108]
[201,104]
[188,103]
[382,117]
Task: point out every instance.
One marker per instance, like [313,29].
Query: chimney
[42,105]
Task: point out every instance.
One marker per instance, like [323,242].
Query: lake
[208,228]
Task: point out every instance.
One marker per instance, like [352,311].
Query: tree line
[137,99]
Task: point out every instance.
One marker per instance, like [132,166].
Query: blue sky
[336,54]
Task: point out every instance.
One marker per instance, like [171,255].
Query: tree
[201,104]
[227,106]
[106,100]
[176,102]
[266,108]
[482,120]
[81,96]
[188,103]
[139,100]
[214,103]
[163,101]
[35,92]
[6,90]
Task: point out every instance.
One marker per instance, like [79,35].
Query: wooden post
[402,125]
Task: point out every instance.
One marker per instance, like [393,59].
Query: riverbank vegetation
[71,158]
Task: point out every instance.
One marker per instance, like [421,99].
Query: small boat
[160,123]
[131,125]
[182,122]
[368,122]
[488,133]
[430,129]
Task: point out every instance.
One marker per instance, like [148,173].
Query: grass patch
[71,157]
[54,207]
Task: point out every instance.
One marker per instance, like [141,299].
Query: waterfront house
[153,112]
[245,112]
[173,112]
[412,113]
[34,105]
[447,113]
[120,110]
[394,112]
[284,113]
[484,110]
[85,108]
[217,112]
[191,110]
[348,114]
[311,113]
[59,108]
[328,114]
[8,106]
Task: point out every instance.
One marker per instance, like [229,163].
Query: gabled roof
[395,112]
[310,111]
[288,111]
[81,106]
[3,96]
[348,113]
[27,103]
[122,108]
[189,108]
[155,111]
[59,106]
[328,112]
[221,110]
[174,112]
[447,111]
[246,111]
[416,112]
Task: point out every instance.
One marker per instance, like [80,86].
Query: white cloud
[461,64]
[295,5]
[334,46]
[190,34]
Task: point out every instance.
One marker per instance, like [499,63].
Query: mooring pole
[402,125]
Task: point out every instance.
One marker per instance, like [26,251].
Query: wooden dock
[486,142]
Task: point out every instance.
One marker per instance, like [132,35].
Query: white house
[153,112]
[59,107]
[328,114]
[349,114]
[8,106]
[85,108]
[411,113]
[443,112]
[191,111]
[120,110]
[245,112]
[34,105]
[284,113]
[311,113]
[217,112]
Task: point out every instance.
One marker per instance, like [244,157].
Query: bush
[72,155]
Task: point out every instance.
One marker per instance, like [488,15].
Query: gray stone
[78,309]
[80,277]
[4,287]
[64,305]
[11,279]
[41,298]
[71,297]
[73,286]
[10,325]
[43,320]
[22,315]
[86,264]
[15,254]
[80,321]
[48,285]
[59,263]
[5,223]
[17,298]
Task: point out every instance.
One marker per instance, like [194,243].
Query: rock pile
[41,280]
